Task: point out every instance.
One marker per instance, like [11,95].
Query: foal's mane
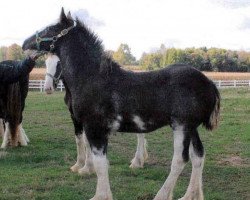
[96,50]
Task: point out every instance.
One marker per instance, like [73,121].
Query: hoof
[136,163]
[192,197]
[102,198]
[86,170]
[75,168]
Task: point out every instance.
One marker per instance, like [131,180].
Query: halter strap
[54,38]
[54,78]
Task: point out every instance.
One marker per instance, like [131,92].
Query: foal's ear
[69,16]
[63,18]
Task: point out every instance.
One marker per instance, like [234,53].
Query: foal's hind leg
[88,167]
[80,153]
[6,136]
[181,145]
[196,152]
[79,136]
[84,163]
[141,154]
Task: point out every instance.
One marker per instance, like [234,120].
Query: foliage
[124,56]
[213,59]
[15,52]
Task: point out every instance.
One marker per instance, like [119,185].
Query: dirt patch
[235,161]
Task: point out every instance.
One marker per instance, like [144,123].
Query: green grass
[41,170]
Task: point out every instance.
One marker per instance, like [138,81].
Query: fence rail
[38,85]
[35,85]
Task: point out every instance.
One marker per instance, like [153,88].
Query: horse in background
[12,103]
[1,128]
[106,99]
[53,75]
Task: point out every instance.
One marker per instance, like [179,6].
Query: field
[41,170]
[39,73]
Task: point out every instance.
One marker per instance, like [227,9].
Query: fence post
[41,86]
[61,86]
[234,83]
[219,83]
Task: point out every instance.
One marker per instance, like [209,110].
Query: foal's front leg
[98,143]
[141,154]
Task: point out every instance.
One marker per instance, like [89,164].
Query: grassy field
[41,170]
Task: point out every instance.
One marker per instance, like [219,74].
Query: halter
[52,39]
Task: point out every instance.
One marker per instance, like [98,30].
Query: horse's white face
[51,64]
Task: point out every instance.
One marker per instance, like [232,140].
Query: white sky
[142,24]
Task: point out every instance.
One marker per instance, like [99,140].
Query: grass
[41,170]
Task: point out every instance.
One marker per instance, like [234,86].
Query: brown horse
[12,102]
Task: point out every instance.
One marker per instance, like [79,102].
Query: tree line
[15,52]
[204,59]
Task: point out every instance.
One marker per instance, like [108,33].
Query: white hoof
[137,163]
[75,167]
[102,198]
[193,196]
[86,170]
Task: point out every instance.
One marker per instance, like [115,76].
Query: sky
[142,24]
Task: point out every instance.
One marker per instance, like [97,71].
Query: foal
[53,74]
[108,99]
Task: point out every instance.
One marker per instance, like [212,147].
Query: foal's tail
[14,108]
[214,117]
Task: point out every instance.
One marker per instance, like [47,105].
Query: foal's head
[53,73]
[50,37]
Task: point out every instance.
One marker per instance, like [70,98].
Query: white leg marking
[6,136]
[26,137]
[22,137]
[141,154]
[88,167]
[194,191]
[1,128]
[165,193]
[138,121]
[80,153]
[103,191]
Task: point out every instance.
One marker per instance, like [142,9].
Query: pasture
[41,170]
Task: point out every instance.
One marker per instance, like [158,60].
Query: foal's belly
[137,125]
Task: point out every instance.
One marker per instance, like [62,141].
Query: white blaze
[51,63]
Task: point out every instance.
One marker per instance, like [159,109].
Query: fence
[39,84]
[35,85]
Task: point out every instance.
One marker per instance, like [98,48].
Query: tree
[15,52]
[151,61]
[3,53]
[124,56]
